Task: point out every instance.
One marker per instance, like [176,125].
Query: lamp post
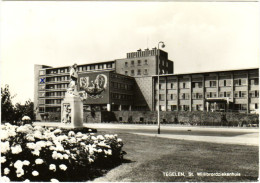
[158,77]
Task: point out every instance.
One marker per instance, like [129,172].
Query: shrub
[51,154]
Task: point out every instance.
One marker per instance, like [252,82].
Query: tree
[10,112]
[24,110]
[7,108]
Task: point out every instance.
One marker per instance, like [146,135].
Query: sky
[199,36]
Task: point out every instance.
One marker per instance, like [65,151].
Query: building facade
[130,84]
[236,90]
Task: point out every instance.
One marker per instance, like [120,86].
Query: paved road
[240,136]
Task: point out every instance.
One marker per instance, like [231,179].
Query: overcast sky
[199,36]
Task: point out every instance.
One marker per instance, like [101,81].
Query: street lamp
[158,77]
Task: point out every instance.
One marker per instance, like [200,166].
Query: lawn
[148,158]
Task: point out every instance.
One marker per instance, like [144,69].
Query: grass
[148,157]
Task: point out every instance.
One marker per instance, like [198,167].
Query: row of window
[80,68]
[139,72]
[60,78]
[121,86]
[186,96]
[55,94]
[139,63]
[53,101]
[121,96]
[212,84]
[142,53]
[58,86]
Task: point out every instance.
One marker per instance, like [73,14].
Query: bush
[51,154]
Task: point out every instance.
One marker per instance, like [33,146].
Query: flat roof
[90,63]
[201,72]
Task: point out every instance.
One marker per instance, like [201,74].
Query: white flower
[90,130]
[71,133]
[37,134]
[23,129]
[40,144]
[4,135]
[73,140]
[54,155]
[4,179]
[65,156]
[35,173]
[39,161]
[6,171]
[82,144]
[90,160]
[52,167]
[99,150]
[108,152]
[60,156]
[18,164]
[3,159]
[5,147]
[119,140]
[93,138]
[30,138]
[36,152]
[27,180]
[31,145]
[63,167]
[19,172]
[26,162]
[49,143]
[16,149]
[54,180]
[79,134]
[100,137]
[57,131]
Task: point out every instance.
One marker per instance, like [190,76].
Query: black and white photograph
[129,91]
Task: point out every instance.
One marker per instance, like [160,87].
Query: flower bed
[50,154]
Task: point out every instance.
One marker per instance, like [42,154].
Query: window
[172,85]
[197,85]
[42,87]
[161,97]
[42,94]
[126,73]
[132,63]
[139,72]
[120,119]
[160,86]
[211,94]
[132,72]
[173,107]
[100,66]
[166,63]
[197,96]
[145,62]
[185,107]
[225,82]
[256,106]
[61,70]
[254,94]
[254,81]
[212,83]
[126,64]
[109,65]
[185,96]
[42,72]
[41,109]
[145,71]
[183,85]
[92,67]
[139,62]
[240,107]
